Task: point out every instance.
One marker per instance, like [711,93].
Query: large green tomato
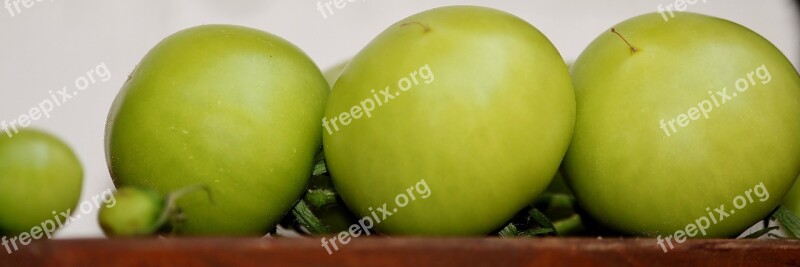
[230,107]
[693,125]
[470,107]
[39,175]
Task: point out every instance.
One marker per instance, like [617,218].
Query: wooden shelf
[406,251]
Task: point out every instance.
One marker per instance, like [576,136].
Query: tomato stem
[633,49]
[171,210]
[569,226]
[427,29]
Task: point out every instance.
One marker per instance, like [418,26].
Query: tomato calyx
[320,198]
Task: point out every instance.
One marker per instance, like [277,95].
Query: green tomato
[702,114]
[40,177]
[476,102]
[230,107]
[135,212]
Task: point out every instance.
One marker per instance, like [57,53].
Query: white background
[49,45]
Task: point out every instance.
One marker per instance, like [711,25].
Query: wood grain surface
[406,251]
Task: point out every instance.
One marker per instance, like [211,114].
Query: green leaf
[509,231]
[320,167]
[539,218]
[789,220]
[307,219]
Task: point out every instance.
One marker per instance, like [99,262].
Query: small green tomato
[143,212]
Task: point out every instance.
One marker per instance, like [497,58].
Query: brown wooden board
[405,251]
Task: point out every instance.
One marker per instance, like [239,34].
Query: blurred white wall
[50,44]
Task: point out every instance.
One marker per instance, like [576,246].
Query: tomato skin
[39,174]
[640,179]
[230,107]
[486,133]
